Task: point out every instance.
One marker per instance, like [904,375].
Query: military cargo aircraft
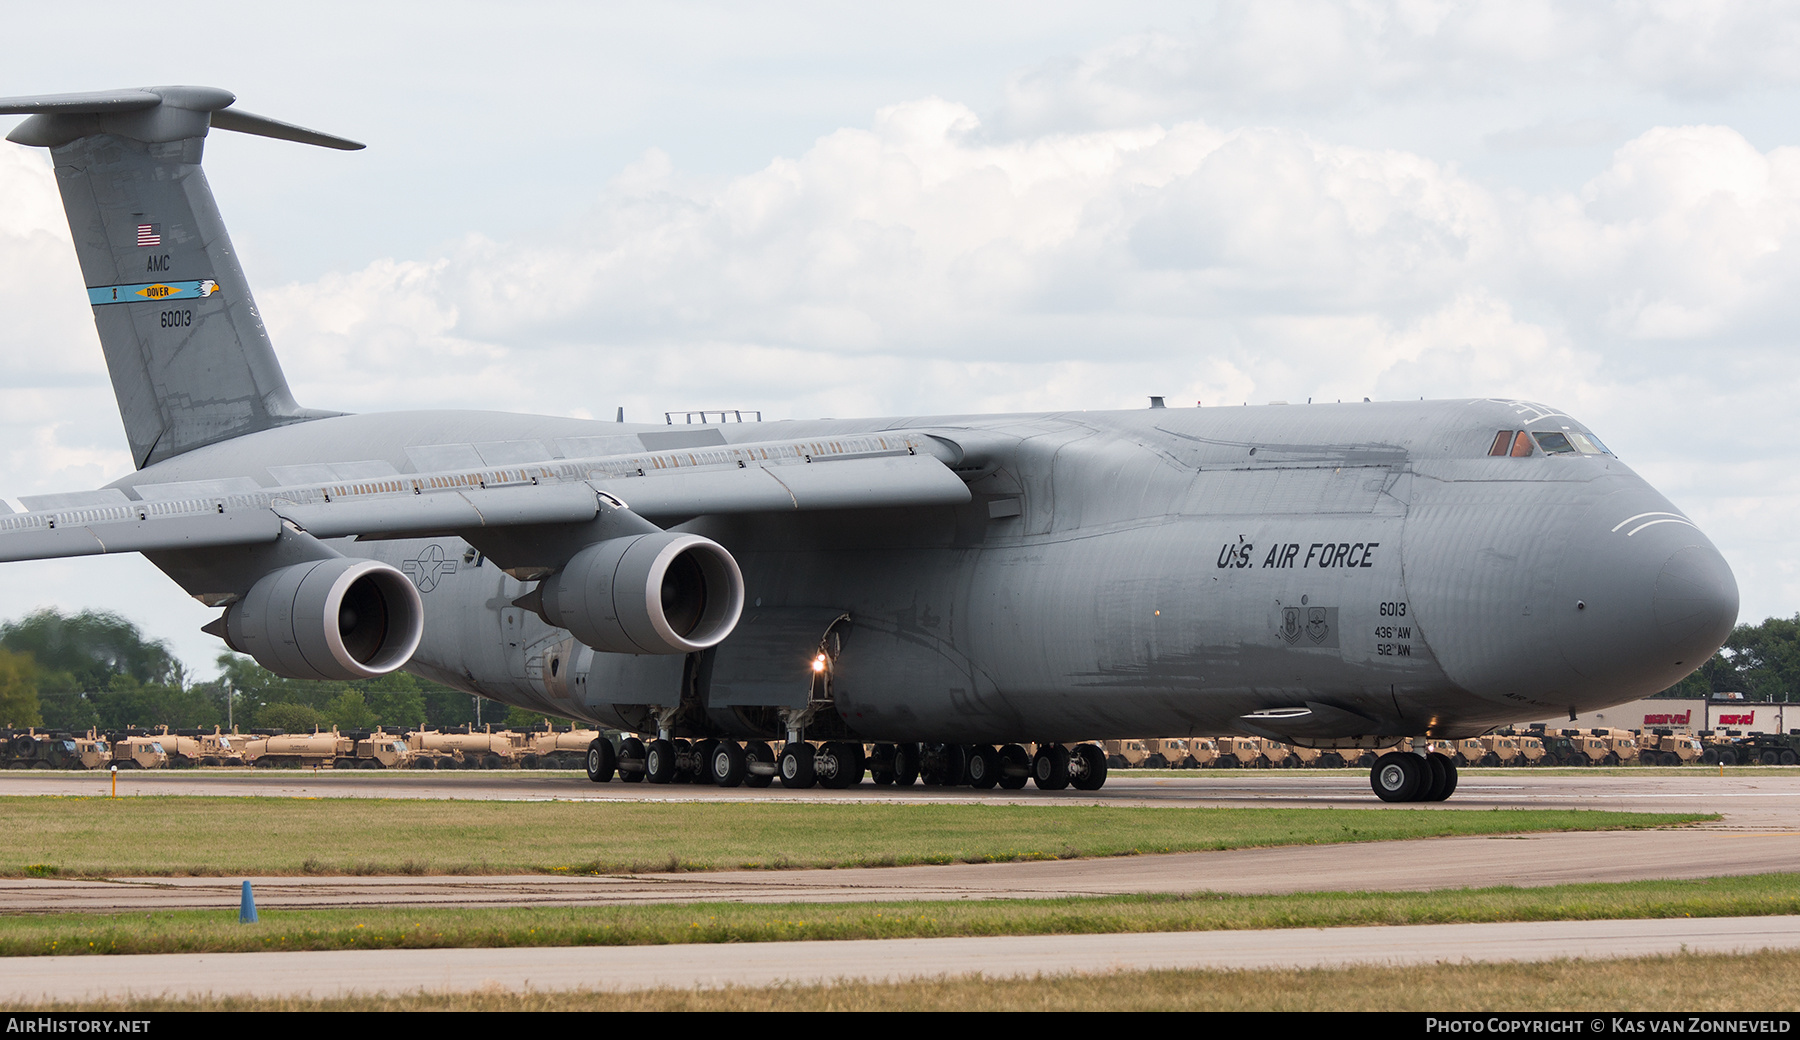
[947,589]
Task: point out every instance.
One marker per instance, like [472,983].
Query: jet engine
[661,593]
[341,618]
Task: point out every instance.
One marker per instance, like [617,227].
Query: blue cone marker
[247,907]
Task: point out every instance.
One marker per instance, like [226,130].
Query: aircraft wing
[856,473]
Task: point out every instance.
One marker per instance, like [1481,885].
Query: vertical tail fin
[191,363]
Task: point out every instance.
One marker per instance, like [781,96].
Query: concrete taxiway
[613,968]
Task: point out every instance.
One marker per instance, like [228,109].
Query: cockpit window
[1588,444]
[1519,443]
[1507,442]
[1555,444]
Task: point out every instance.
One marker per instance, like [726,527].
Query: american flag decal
[149,235]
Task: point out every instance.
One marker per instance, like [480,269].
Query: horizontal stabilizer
[262,126]
[149,114]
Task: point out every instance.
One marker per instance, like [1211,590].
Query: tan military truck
[92,751]
[318,749]
[1124,754]
[379,750]
[1622,743]
[1203,752]
[1665,747]
[191,748]
[136,752]
[471,749]
[1299,756]
[1504,749]
[1239,753]
[558,749]
[1472,751]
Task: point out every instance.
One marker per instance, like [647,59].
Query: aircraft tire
[1092,768]
[796,766]
[984,767]
[757,751]
[1050,769]
[726,764]
[906,765]
[601,762]
[947,765]
[846,765]
[659,761]
[1448,787]
[1437,775]
[1015,768]
[881,765]
[1397,776]
[699,770]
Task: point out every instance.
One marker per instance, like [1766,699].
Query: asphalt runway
[614,968]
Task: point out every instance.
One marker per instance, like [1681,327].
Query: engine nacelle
[661,593]
[341,618]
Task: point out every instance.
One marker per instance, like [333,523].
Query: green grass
[174,835]
[1759,982]
[217,931]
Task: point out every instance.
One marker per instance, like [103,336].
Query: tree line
[91,669]
[1760,661]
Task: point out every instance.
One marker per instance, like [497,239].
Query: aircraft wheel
[1397,776]
[839,766]
[1087,768]
[1437,775]
[797,766]
[1050,769]
[984,767]
[726,764]
[659,761]
[757,751]
[945,765]
[601,761]
[881,765]
[1448,786]
[1015,767]
[631,749]
[906,765]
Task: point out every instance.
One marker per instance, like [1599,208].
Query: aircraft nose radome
[1642,599]
[1696,603]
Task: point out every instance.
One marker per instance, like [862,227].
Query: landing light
[818,664]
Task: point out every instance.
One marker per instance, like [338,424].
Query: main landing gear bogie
[1401,776]
[842,764]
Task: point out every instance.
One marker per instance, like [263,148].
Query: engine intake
[662,593]
[341,618]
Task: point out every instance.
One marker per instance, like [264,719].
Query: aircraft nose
[1696,602]
[1652,600]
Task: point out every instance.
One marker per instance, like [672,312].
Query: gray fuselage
[1327,574]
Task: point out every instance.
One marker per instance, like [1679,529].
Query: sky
[893,209]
